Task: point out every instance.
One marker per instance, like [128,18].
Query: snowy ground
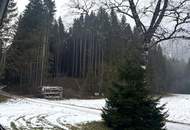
[178,107]
[31,113]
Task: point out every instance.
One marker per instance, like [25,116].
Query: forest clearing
[94,64]
[30,113]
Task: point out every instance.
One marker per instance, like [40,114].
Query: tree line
[89,53]
[167,74]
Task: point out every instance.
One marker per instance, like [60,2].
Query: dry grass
[91,126]
[3,98]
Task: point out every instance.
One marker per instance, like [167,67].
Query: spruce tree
[129,106]
[24,58]
[9,25]
[7,32]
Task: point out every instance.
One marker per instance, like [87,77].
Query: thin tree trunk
[84,58]
[43,60]
[80,72]
[73,60]
[76,59]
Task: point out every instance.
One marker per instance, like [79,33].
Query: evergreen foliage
[90,51]
[157,70]
[25,53]
[9,26]
[129,106]
[7,32]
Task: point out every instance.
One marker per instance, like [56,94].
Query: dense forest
[83,59]
[103,67]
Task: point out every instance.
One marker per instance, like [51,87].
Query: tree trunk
[73,60]
[1,50]
[84,58]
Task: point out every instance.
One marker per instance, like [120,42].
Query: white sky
[61,7]
[63,10]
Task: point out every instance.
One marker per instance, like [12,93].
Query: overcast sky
[183,52]
[61,7]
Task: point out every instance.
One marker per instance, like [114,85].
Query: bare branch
[82,6]
[160,18]
[138,22]
[157,14]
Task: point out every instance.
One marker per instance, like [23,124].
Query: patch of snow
[143,67]
[173,126]
[178,107]
[41,112]
[30,113]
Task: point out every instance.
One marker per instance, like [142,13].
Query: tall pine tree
[7,32]
[25,54]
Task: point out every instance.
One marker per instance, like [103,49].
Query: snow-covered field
[178,107]
[31,113]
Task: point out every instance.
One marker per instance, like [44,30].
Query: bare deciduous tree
[156,20]
[82,6]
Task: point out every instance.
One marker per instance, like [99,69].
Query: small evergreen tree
[129,106]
